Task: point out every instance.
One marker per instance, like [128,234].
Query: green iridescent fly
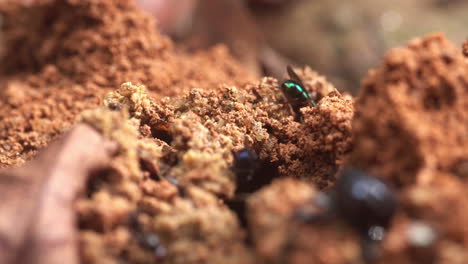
[295,92]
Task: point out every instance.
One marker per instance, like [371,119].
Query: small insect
[245,164]
[362,201]
[295,92]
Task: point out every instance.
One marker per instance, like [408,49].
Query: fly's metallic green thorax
[295,92]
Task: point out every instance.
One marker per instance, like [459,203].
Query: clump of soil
[189,141]
[61,57]
[407,131]
[281,238]
[420,94]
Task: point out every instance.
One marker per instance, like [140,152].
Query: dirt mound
[411,115]
[61,57]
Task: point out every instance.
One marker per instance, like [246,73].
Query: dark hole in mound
[432,102]
[269,128]
[239,207]
[161,131]
[443,96]
[97,179]
[170,157]
[460,169]
[262,176]
[149,167]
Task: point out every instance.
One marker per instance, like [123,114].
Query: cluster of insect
[363,201]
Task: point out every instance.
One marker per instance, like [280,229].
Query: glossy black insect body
[295,92]
[362,201]
[245,164]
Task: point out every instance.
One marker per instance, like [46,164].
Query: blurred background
[339,39]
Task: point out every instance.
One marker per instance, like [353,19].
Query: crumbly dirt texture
[170,192]
[91,47]
[191,139]
[279,238]
[61,57]
[408,131]
[420,94]
[419,145]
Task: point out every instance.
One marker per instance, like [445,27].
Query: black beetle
[245,164]
[363,201]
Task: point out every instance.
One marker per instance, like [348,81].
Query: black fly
[295,92]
